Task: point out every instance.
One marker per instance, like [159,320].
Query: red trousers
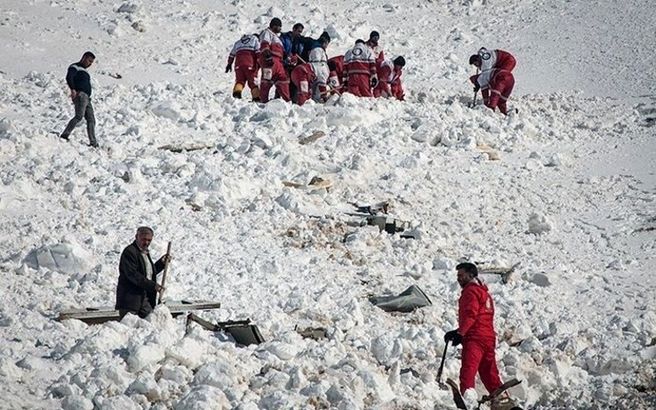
[246,74]
[478,357]
[274,75]
[302,81]
[501,86]
[359,85]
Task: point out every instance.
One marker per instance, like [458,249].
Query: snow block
[64,257]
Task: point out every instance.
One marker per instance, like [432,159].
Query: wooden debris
[316,182]
[188,148]
[94,316]
[492,154]
[311,138]
[505,273]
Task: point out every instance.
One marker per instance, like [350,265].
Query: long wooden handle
[166,269]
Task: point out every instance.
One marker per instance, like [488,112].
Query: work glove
[476,88]
[454,337]
[228,68]
[374,82]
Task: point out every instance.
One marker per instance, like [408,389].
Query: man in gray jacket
[137,287]
[79,81]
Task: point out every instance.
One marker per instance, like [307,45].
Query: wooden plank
[106,314]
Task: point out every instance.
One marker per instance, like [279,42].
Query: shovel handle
[166,269]
[439,372]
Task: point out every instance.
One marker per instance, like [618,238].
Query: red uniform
[495,80]
[245,53]
[476,326]
[303,76]
[360,69]
[337,77]
[273,70]
[389,81]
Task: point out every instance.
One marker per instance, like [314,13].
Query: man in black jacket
[79,81]
[135,292]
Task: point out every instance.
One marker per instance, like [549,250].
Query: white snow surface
[571,197]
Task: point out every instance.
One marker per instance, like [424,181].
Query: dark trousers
[143,311]
[83,109]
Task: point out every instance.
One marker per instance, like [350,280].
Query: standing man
[360,70]
[319,61]
[137,287]
[273,70]
[79,82]
[476,334]
[245,53]
[495,80]
[292,42]
[376,50]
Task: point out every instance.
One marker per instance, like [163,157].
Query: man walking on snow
[244,54]
[476,334]
[79,81]
[495,81]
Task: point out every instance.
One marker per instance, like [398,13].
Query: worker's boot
[236,91]
[503,402]
[255,92]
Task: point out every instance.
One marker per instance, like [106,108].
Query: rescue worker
[292,42]
[360,70]
[495,81]
[271,55]
[336,78]
[476,334]
[376,50]
[389,79]
[245,53]
[319,61]
[303,77]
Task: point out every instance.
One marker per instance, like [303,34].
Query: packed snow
[565,187]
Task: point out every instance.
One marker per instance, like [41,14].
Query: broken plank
[94,316]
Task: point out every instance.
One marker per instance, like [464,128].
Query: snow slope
[571,198]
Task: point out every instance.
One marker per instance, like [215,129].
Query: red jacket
[493,62]
[270,47]
[245,51]
[339,67]
[476,312]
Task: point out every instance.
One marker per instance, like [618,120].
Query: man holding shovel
[137,287]
[476,334]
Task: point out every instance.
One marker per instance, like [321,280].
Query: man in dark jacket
[137,287]
[79,81]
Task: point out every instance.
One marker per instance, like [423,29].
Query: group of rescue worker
[299,69]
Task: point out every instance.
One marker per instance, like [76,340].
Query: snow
[565,186]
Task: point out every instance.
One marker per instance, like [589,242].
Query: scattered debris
[492,154]
[243,331]
[407,301]
[315,333]
[315,183]
[311,138]
[505,273]
[92,316]
[188,148]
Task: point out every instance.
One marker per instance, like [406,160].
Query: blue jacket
[78,78]
[291,45]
